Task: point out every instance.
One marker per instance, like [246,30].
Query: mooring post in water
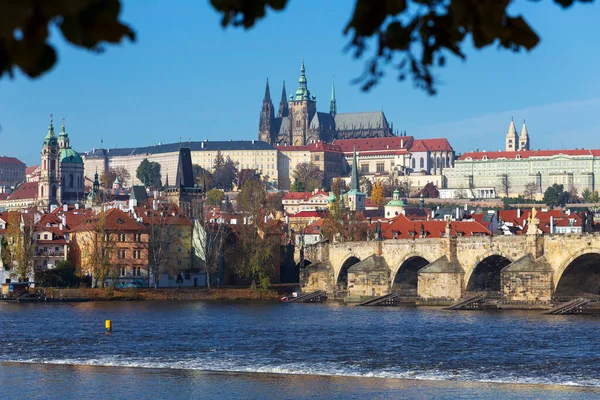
[108,325]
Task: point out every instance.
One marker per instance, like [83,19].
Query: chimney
[401,143]
[60,226]
[63,219]
[154,204]
[287,219]
[77,206]
[551,224]
[457,211]
[201,145]
[65,207]
[519,212]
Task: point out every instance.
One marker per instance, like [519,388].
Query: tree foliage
[21,239]
[556,195]
[589,196]
[62,276]
[366,185]
[27,26]
[430,191]
[214,197]
[412,37]
[148,172]
[162,239]
[245,174]
[338,186]
[309,175]
[505,185]
[254,254]
[109,176]
[377,194]
[225,173]
[202,177]
[531,189]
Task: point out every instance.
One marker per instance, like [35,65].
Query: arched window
[54,192]
[448,162]
[414,163]
[437,162]
[70,180]
[52,166]
[422,163]
[42,191]
[45,167]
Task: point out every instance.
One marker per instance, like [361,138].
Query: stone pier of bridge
[523,268]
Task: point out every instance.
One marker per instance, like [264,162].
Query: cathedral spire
[524,138]
[267,92]
[332,102]
[284,110]
[354,182]
[302,93]
[511,137]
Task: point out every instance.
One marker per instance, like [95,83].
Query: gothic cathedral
[298,122]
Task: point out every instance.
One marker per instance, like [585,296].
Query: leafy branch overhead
[412,36]
[25,28]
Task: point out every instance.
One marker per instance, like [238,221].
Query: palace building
[298,122]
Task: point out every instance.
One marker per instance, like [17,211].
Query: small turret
[284,110]
[266,117]
[524,138]
[63,137]
[332,102]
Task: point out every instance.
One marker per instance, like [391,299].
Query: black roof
[174,147]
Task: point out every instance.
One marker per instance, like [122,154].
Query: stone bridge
[522,268]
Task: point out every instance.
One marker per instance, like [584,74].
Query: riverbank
[110,294]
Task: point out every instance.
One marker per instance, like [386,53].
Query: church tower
[63,138]
[511,137]
[303,107]
[356,198]
[48,188]
[284,110]
[332,102]
[524,138]
[266,117]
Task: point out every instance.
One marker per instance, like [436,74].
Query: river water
[286,351]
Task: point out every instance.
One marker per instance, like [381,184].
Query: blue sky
[185,76]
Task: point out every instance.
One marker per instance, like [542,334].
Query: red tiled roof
[317,146]
[4,196]
[303,195]
[170,214]
[30,170]
[10,160]
[431,145]
[309,214]
[28,190]
[291,148]
[403,227]
[375,144]
[115,220]
[493,155]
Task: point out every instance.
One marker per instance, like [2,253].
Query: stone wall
[440,285]
[527,286]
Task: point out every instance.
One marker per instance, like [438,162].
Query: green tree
[595,197]
[202,177]
[338,187]
[225,172]
[587,194]
[297,186]
[214,197]
[148,172]
[556,195]
[63,276]
[310,175]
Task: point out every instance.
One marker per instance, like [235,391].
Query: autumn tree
[163,221]
[254,257]
[366,185]
[275,201]
[531,189]
[338,187]
[110,175]
[95,244]
[309,175]
[148,172]
[505,184]
[21,239]
[377,194]
[245,174]
[430,191]
[209,241]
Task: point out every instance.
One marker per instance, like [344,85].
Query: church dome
[70,156]
[331,198]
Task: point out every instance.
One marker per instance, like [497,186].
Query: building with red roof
[510,171]
[294,202]
[401,227]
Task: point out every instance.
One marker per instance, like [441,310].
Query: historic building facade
[298,122]
[487,174]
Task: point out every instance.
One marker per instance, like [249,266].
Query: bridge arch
[341,274]
[579,274]
[485,274]
[405,277]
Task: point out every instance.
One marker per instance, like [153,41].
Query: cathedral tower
[267,114]
[284,110]
[524,138]
[303,107]
[332,102]
[48,188]
[511,137]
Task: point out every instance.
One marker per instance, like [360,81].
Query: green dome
[396,203]
[331,198]
[70,156]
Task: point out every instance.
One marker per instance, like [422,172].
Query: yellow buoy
[108,325]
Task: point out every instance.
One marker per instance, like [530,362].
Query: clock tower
[48,189]
[302,108]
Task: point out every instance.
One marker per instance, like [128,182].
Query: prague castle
[298,122]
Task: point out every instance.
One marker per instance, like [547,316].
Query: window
[422,163]
[137,271]
[414,163]
[123,271]
[364,168]
[121,237]
[317,157]
[121,253]
[45,236]
[137,254]
[380,167]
